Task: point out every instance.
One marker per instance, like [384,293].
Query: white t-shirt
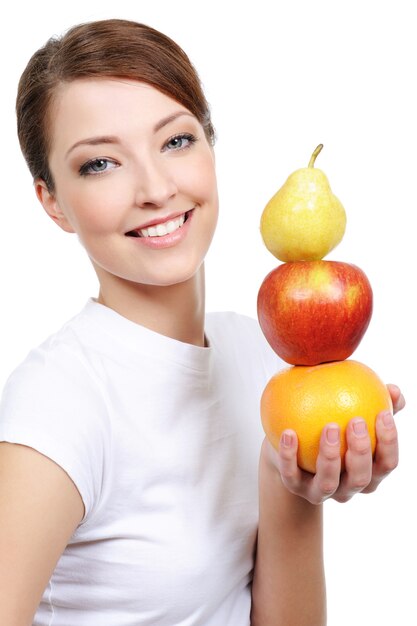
[162,440]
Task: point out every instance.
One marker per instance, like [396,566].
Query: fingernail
[332,435]
[287,440]
[359,428]
[387,419]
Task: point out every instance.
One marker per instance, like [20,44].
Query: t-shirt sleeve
[52,404]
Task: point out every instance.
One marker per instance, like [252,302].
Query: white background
[281,77]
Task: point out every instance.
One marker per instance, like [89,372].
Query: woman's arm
[288,586]
[40,508]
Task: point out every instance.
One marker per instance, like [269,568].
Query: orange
[305,399]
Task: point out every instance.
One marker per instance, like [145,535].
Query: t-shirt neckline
[141,340]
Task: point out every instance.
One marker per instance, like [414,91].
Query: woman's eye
[97,166]
[179,142]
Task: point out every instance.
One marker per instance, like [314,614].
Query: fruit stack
[314,314]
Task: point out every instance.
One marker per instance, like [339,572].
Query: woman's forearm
[289,585]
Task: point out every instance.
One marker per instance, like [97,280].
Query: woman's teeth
[163,229]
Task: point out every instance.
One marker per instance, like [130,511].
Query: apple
[313,312]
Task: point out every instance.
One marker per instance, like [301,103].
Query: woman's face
[134,178]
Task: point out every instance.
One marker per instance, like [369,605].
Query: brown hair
[114,48]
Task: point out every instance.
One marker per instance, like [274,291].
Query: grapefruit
[305,399]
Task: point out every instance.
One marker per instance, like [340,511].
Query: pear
[304,220]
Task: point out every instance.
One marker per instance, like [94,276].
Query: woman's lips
[160,227]
[152,240]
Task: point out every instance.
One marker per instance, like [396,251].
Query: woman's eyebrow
[93,141]
[110,139]
[169,119]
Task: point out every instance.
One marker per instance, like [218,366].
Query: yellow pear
[304,220]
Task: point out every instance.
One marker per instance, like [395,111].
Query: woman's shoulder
[241,334]
[62,354]
[52,403]
[226,322]
[55,370]
[235,326]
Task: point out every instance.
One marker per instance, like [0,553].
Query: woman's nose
[154,185]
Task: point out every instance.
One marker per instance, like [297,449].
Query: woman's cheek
[96,211]
[201,180]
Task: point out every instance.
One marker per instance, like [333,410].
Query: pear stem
[315,155]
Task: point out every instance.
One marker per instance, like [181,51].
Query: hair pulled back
[105,48]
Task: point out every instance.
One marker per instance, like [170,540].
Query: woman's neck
[176,311]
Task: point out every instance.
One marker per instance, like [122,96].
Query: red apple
[312,312]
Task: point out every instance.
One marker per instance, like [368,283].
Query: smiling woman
[130,173]
[131,438]
[120,423]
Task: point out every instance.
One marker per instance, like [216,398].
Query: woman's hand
[363,473]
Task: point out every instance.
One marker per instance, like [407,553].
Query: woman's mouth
[160,230]
[164,234]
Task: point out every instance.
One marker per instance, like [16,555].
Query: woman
[131,437]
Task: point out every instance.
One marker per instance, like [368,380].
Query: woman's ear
[50,203]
